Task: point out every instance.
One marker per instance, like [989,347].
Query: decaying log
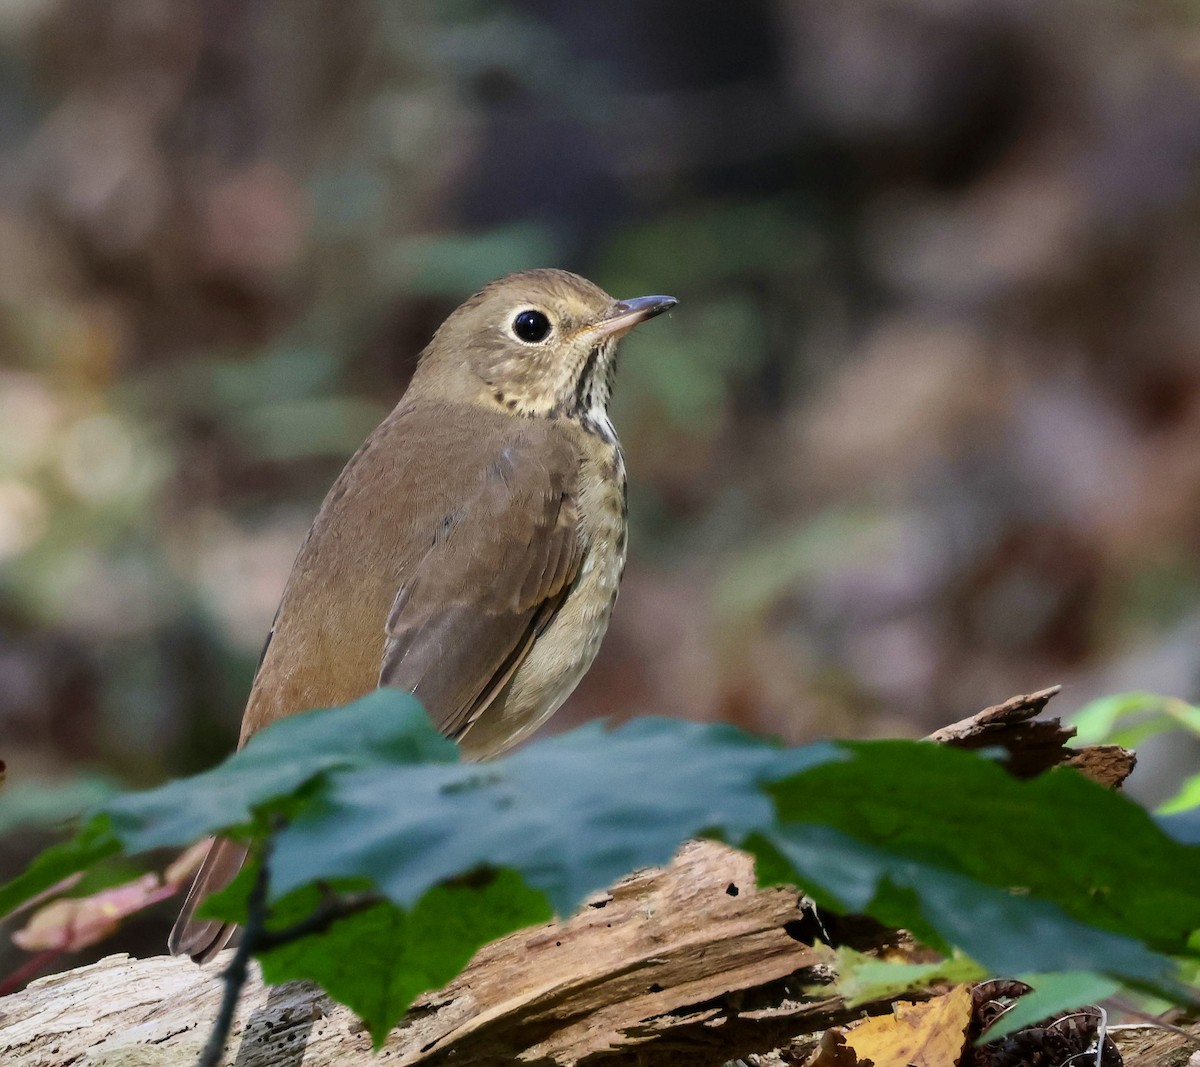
[1147,1045]
[691,959]
[690,964]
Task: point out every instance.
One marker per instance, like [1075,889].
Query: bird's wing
[496,570]
[480,555]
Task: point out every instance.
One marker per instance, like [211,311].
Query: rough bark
[1035,745]
[692,959]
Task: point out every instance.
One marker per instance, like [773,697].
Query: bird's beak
[624,315]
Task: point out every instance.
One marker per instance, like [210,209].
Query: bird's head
[537,343]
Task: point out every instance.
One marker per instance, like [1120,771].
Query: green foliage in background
[1054,876]
[1129,719]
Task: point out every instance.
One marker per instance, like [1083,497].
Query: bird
[471,550]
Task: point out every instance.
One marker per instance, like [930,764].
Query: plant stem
[235,973]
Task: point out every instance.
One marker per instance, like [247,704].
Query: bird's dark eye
[531,327]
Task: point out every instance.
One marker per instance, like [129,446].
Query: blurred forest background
[924,431]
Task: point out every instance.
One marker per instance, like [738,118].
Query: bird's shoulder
[434,452]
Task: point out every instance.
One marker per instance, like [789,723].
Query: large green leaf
[1009,933]
[1052,993]
[1059,837]
[387,727]
[388,955]
[572,813]
[274,769]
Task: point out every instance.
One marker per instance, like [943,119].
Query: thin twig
[235,973]
[257,939]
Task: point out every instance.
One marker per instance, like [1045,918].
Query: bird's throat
[592,392]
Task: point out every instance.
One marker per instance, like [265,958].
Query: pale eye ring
[531,327]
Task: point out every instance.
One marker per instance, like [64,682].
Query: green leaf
[1095,721]
[385,727]
[385,957]
[51,804]
[1052,993]
[1059,838]
[1128,719]
[863,978]
[94,842]
[379,960]
[275,767]
[1005,932]
[1187,797]
[232,904]
[572,813]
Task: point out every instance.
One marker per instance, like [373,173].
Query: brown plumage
[471,551]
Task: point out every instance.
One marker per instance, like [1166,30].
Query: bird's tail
[204,938]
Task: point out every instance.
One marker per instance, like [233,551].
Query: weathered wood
[1035,745]
[1147,1045]
[692,958]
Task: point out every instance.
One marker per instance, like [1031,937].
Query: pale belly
[565,650]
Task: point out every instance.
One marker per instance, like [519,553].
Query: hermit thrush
[470,552]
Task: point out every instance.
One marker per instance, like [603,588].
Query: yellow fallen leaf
[929,1034]
[833,1052]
